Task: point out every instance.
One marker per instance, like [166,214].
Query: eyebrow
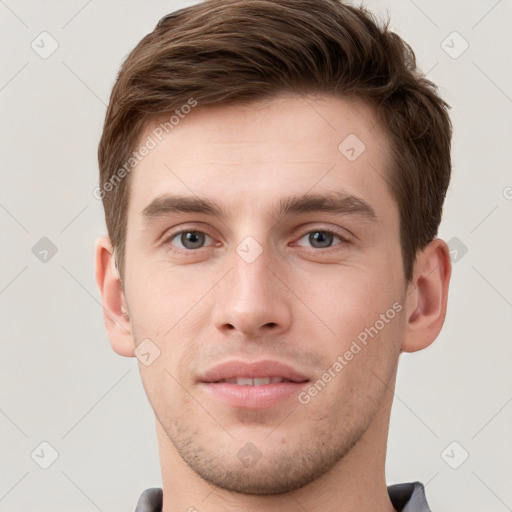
[334,202]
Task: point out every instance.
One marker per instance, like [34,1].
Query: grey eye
[319,239]
[190,239]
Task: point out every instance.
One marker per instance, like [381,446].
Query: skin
[300,303]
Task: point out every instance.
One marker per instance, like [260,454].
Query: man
[273,174]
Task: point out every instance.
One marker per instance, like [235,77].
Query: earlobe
[115,310]
[427,296]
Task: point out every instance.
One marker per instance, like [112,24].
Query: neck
[355,483]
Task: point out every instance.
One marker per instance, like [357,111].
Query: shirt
[408,497]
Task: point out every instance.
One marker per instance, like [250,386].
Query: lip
[252,397]
[256,369]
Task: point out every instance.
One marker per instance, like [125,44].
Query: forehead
[246,156]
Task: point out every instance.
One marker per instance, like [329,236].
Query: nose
[252,299]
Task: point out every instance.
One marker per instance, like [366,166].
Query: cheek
[358,324]
[344,301]
[160,300]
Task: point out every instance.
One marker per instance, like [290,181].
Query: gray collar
[404,497]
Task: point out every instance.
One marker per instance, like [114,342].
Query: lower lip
[253,397]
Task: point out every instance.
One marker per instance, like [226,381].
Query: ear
[115,311]
[427,296]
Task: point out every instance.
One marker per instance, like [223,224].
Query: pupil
[321,238]
[192,239]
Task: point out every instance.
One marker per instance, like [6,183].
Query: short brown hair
[227,51]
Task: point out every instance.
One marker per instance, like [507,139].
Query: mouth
[258,381]
[252,385]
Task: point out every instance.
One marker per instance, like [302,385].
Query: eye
[321,238]
[188,239]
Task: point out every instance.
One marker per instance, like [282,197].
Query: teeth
[259,381]
[262,380]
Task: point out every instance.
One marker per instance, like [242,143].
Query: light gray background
[61,383]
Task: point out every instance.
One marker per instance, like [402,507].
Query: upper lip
[255,369]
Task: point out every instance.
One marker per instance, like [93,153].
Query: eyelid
[170,235]
[344,239]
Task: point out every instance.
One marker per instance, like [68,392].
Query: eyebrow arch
[167,203]
[335,202]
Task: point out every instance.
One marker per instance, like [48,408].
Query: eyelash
[172,236]
[343,240]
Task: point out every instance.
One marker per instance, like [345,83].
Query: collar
[409,497]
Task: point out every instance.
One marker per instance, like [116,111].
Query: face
[263,243]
